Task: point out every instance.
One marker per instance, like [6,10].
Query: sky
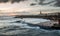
[13,7]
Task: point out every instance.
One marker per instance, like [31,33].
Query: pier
[51,16]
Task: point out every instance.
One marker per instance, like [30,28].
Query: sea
[10,26]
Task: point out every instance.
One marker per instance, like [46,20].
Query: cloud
[41,1]
[16,1]
[12,1]
[3,1]
[57,3]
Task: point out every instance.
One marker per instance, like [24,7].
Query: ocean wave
[23,29]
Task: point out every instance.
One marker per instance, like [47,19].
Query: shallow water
[22,29]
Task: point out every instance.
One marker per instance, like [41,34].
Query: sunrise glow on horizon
[8,7]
